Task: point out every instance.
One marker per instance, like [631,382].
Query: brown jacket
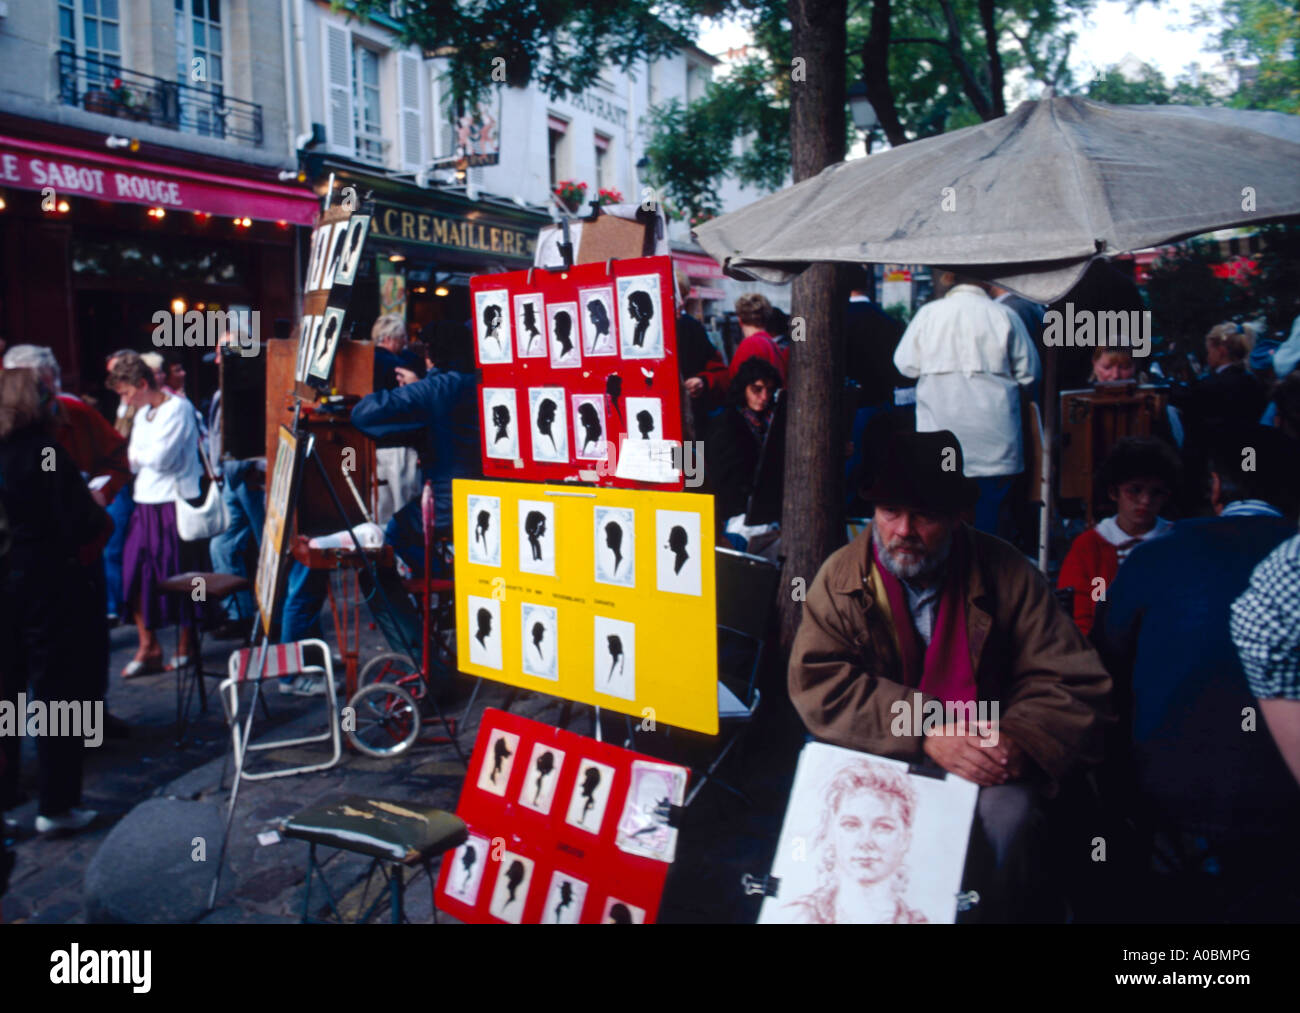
[1027,654]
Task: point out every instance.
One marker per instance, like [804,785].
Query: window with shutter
[411,94]
[338,97]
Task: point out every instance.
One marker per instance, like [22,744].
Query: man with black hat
[1206,783]
[921,609]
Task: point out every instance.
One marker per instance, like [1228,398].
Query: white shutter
[337,53]
[410,74]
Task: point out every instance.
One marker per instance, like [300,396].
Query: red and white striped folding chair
[281,660]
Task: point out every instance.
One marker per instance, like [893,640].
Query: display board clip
[967,900]
[767,886]
[927,770]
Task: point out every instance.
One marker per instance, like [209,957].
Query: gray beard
[925,567]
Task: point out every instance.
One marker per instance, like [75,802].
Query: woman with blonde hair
[164,455]
[56,530]
[864,836]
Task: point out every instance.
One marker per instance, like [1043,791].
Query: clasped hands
[989,756]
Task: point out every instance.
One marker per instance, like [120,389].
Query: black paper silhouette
[614,539]
[514,876]
[492,321]
[563,328]
[534,528]
[350,257]
[620,915]
[642,308]
[545,764]
[546,419]
[500,753]
[501,419]
[481,526]
[484,627]
[566,898]
[590,782]
[677,541]
[600,319]
[645,422]
[590,419]
[615,655]
[530,324]
[324,343]
[614,391]
[467,860]
[539,632]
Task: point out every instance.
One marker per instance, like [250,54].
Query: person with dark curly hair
[1139,475]
[735,443]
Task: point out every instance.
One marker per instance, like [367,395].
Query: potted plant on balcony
[571,194]
[609,196]
[126,103]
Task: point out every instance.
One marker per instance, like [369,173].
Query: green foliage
[1263,38]
[560,45]
[1186,297]
[1149,88]
[692,147]
[900,311]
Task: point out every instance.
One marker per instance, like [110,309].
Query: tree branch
[987,15]
[969,84]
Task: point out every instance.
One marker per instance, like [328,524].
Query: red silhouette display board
[561,829]
[573,362]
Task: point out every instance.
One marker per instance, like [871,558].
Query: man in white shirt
[972,356]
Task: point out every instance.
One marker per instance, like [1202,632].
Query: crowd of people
[1180,605]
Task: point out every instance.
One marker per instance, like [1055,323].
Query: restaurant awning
[74,172]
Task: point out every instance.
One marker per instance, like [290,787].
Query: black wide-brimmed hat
[923,471]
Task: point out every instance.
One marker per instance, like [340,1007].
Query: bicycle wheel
[393,668]
[386,720]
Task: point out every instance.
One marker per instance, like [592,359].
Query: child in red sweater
[1139,475]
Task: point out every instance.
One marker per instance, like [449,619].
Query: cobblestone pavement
[724,837]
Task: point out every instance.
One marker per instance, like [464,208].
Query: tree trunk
[875,73]
[988,21]
[812,515]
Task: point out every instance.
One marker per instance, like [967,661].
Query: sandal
[180,661]
[153,665]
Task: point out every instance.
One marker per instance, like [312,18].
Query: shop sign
[486,238]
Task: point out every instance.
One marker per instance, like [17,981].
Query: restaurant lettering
[458,233]
[599,108]
[70,178]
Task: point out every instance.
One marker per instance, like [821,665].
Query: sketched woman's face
[870,838]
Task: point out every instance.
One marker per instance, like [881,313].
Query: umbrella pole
[1050,410]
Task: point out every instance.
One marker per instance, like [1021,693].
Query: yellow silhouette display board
[601,596]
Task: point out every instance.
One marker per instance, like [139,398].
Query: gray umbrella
[1027,199]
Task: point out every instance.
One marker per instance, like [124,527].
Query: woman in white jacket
[163,454]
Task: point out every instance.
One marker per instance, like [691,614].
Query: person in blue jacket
[439,415]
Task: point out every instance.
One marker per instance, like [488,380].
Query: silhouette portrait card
[530,326]
[485,639]
[539,642]
[492,325]
[510,892]
[552,839]
[590,796]
[677,551]
[305,331]
[485,519]
[466,866]
[615,547]
[494,773]
[545,767]
[338,244]
[589,427]
[565,332]
[864,841]
[500,423]
[537,537]
[620,912]
[549,424]
[615,657]
[596,308]
[642,558]
[353,244]
[564,900]
[640,830]
[562,328]
[640,317]
[329,332]
[320,244]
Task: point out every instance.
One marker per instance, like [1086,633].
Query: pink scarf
[946,671]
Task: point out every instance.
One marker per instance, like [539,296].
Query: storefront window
[138,259]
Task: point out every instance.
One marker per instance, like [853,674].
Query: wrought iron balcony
[200,109]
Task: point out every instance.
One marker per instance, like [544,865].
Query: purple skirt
[152,553]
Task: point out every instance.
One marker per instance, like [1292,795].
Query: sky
[1157,35]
